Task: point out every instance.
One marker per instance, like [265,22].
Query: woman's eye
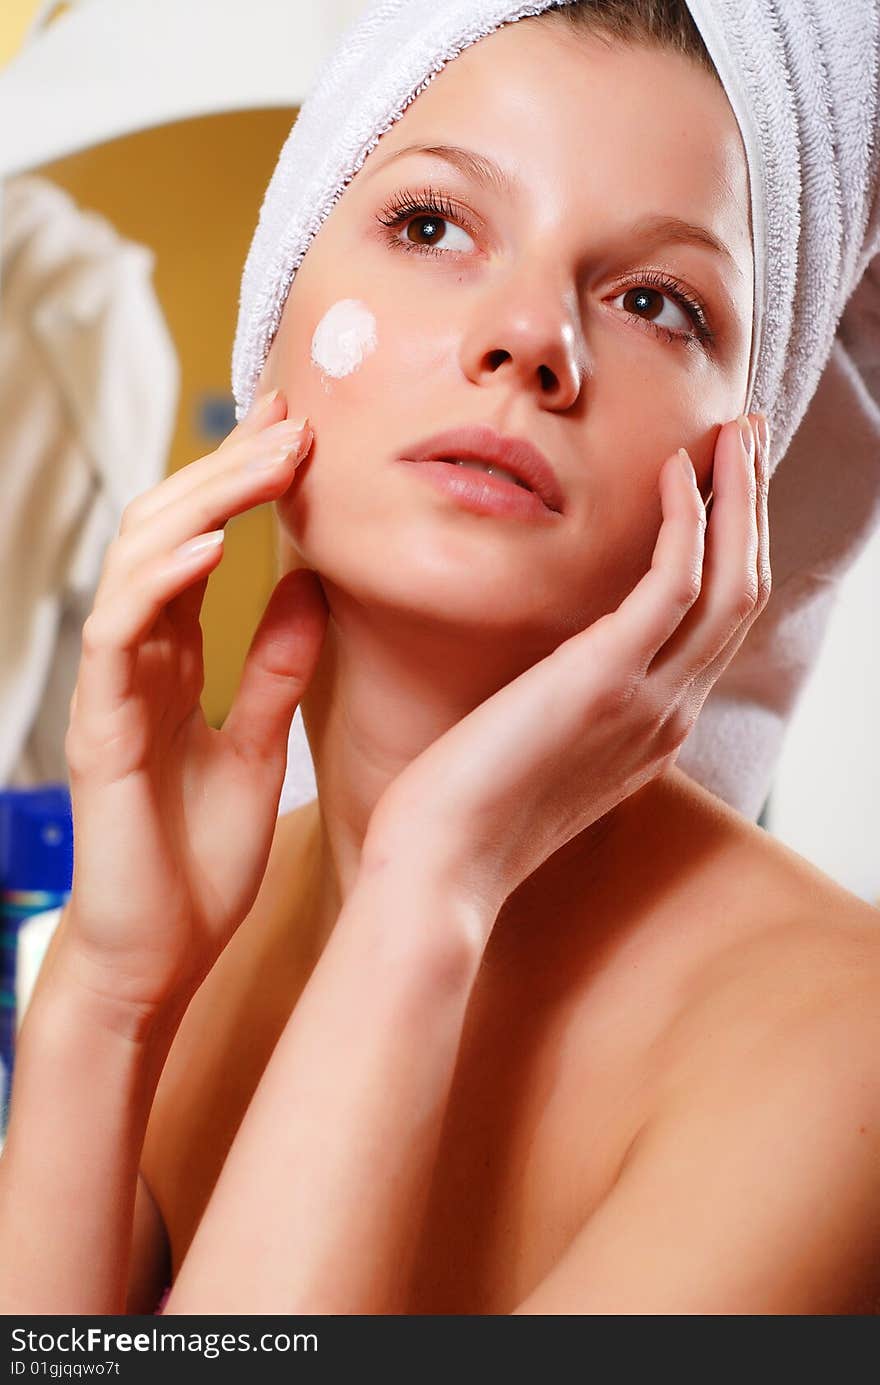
[428,223]
[654,307]
[429,232]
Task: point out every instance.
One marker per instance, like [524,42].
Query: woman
[515,1017]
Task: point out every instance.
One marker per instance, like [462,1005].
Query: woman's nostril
[497,358]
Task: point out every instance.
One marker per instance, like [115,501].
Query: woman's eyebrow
[476,166]
[671,230]
[657,228]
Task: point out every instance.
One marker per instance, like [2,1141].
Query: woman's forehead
[568,117]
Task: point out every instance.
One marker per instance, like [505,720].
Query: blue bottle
[36,873]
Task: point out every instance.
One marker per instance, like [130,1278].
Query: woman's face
[549,304]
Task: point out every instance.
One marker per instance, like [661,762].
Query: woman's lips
[481,442]
[481,493]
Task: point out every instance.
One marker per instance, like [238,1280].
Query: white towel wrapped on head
[803,80]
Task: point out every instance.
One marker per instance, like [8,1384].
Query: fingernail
[764,433]
[748,437]
[198,545]
[279,443]
[261,403]
[687,466]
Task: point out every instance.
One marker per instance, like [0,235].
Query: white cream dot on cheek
[343,338]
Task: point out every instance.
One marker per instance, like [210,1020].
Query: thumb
[279,666]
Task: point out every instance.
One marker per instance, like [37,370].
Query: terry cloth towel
[89,383]
[802,79]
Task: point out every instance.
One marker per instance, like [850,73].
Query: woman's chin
[413,561]
[465,601]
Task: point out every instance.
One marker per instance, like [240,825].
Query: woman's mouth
[511,461]
[487,468]
[482,488]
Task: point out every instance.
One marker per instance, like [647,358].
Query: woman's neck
[383,691]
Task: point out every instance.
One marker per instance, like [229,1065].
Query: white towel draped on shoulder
[89,383]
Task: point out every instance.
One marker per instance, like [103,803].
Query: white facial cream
[345,335]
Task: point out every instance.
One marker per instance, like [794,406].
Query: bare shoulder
[792,946]
[753,1183]
[773,1081]
[754,1186]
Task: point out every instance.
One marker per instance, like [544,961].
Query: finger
[147,570]
[765,579]
[278,668]
[115,629]
[721,617]
[268,410]
[765,574]
[233,450]
[257,471]
[184,611]
[647,617]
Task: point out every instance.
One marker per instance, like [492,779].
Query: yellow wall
[192,192]
[15,16]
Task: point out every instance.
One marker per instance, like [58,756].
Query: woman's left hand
[608,710]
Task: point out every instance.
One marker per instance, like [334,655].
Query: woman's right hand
[173,820]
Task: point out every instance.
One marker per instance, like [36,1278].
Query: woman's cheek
[324,369]
[342,340]
[704,408]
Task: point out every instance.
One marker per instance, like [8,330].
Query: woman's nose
[530,345]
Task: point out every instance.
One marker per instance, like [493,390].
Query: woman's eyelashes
[652,284]
[426,213]
[428,207]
